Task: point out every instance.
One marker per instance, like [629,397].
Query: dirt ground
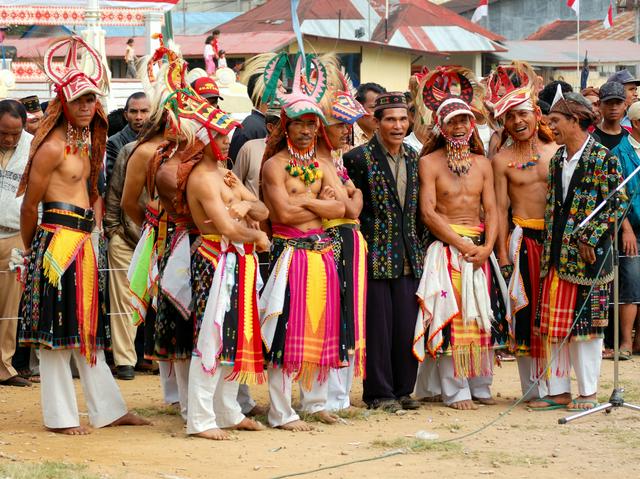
[520,444]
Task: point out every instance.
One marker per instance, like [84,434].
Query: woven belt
[311,243]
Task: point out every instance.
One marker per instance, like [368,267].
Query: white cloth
[175,282]
[212,400]
[517,296]
[168,383]
[314,400]
[208,50]
[59,406]
[427,380]
[586,360]
[340,382]
[10,177]
[634,144]
[569,167]
[412,141]
[280,411]
[181,371]
[527,373]
[461,389]
[272,297]
[245,400]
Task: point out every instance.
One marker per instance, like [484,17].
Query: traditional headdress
[572,104]
[511,87]
[70,83]
[32,105]
[338,103]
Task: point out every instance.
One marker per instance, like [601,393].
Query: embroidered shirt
[569,167]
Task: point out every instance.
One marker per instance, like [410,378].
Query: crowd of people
[407,239]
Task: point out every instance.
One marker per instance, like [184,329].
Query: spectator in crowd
[254,125]
[208,89]
[222,59]
[593,95]
[211,52]
[630,84]
[366,126]
[609,132]
[130,59]
[34,113]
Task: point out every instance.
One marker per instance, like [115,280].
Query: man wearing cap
[208,89]
[576,265]
[34,113]
[365,127]
[628,151]
[386,173]
[462,315]
[521,170]
[136,112]
[612,108]
[14,152]
[62,306]
[630,84]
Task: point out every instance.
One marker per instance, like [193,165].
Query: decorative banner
[30,71]
[43,15]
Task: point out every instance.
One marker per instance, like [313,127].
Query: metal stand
[617,396]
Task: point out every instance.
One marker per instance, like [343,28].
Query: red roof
[560,29]
[463,6]
[623,29]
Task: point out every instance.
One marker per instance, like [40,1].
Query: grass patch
[519,460]
[416,445]
[153,411]
[46,470]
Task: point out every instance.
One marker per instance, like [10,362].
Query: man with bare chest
[461,317]
[521,171]
[62,310]
[299,306]
[228,348]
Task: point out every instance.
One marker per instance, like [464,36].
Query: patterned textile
[597,174]
[300,305]
[350,252]
[393,233]
[62,305]
[226,309]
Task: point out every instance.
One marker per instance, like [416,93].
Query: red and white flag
[574,5]
[481,11]
[608,20]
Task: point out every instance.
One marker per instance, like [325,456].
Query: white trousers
[428,379]
[316,399]
[280,410]
[245,400]
[585,358]
[213,402]
[461,389]
[168,383]
[59,406]
[340,382]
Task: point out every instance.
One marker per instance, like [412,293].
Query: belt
[311,243]
[59,205]
[82,224]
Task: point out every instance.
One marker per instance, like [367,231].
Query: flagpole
[578,37]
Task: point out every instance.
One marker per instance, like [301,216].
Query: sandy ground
[521,444]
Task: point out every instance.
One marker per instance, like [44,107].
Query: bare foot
[214,434]
[550,402]
[130,419]
[71,431]
[258,411]
[582,403]
[486,401]
[248,424]
[466,405]
[296,426]
[326,417]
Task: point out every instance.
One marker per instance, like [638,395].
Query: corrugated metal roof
[457,39]
[623,29]
[565,52]
[560,29]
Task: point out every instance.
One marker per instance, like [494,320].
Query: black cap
[612,90]
[623,76]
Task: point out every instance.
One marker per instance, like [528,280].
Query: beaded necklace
[532,157]
[338,162]
[78,141]
[459,154]
[302,164]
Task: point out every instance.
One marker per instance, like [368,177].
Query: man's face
[457,127]
[222,141]
[393,125]
[612,110]
[137,113]
[338,135]
[82,110]
[368,122]
[10,131]
[302,131]
[213,101]
[33,122]
[631,90]
[520,124]
[562,127]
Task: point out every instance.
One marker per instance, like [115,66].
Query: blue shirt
[629,161]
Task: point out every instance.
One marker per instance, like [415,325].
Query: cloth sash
[66,246]
[327,224]
[143,269]
[227,258]
[306,269]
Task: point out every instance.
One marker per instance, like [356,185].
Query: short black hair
[130,41]
[116,121]
[271,119]
[208,39]
[13,108]
[251,88]
[544,107]
[548,93]
[215,32]
[221,52]
[134,96]
[365,87]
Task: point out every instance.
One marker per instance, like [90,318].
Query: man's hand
[230,179]
[263,243]
[479,256]
[239,210]
[587,253]
[327,193]
[629,243]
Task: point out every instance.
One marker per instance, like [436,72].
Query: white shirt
[634,144]
[10,177]
[569,167]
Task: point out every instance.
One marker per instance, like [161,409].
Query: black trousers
[392,310]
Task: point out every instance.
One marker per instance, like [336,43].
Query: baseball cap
[612,90]
[623,76]
[206,88]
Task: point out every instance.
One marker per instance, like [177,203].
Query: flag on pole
[608,20]
[584,75]
[481,11]
[574,5]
